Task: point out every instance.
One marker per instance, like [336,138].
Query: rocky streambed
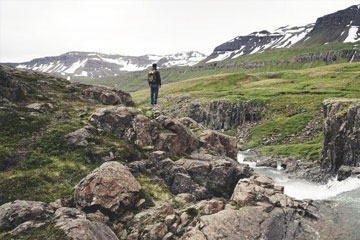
[342,196]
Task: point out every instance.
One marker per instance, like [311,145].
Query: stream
[344,195]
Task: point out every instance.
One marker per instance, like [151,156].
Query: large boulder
[203,175]
[75,225]
[261,189]
[15,213]
[110,188]
[176,139]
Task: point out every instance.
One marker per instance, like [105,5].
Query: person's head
[154,66]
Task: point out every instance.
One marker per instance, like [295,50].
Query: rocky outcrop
[111,188]
[108,96]
[13,214]
[77,227]
[219,114]
[250,223]
[260,210]
[161,132]
[220,143]
[341,131]
[203,175]
[329,57]
[12,89]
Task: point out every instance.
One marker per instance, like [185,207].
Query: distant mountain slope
[255,42]
[342,26]
[97,65]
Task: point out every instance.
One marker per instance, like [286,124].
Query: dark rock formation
[329,57]
[219,114]
[341,146]
[110,188]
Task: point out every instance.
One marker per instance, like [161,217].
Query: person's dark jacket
[158,78]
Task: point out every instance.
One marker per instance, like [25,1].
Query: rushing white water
[301,189]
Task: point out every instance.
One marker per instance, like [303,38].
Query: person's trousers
[154,91]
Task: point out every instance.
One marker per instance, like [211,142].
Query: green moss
[5,154]
[45,232]
[48,183]
[149,114]
[18,125]
[153,191]
[279,128]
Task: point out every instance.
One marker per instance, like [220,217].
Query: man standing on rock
[154,80]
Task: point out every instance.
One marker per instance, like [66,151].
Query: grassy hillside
[275,60]
[292,98]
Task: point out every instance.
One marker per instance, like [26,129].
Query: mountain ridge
[342,26]
[77,64]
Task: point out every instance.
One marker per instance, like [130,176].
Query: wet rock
[347,171]
[111,187]
[15,213]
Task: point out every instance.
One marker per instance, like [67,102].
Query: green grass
[272,60]
[307,151]
[290,99]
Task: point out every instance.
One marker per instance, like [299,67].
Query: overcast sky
[38,28]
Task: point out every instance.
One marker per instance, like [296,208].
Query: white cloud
[37,28]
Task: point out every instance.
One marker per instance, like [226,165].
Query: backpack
[152,76]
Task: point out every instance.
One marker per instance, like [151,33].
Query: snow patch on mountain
[257,42]
[353,35]
[96,65]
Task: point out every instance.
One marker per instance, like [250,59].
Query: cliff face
[329,57]
[220,114]
[341,137]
